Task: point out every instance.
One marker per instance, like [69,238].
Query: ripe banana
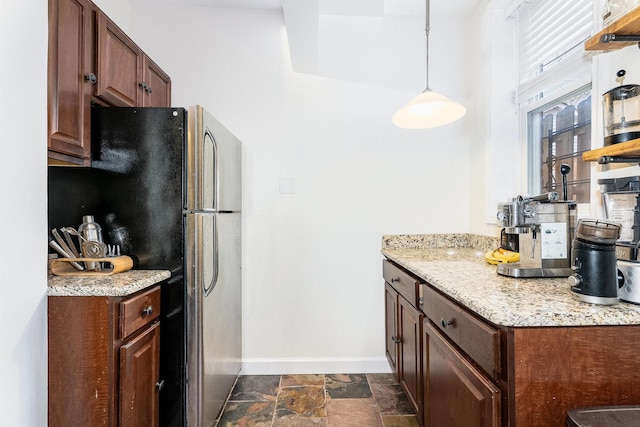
[501,256]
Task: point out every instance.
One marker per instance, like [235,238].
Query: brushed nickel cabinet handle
[147,311]
[160,385]
[396,340]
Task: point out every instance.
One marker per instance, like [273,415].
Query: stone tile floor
[322,400]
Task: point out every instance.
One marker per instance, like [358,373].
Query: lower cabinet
[391,328]
[403,333]
[410,322]
[104,360]
[139,384]
[456,394]
[459,370]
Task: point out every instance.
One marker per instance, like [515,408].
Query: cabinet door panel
[70,27]
[409,322]
[139,374]
[456,393]
[391,329]
[118,65]
[157,85]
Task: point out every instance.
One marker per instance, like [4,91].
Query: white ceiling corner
[302,24]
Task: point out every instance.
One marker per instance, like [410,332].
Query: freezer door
[214,165]
[214,314]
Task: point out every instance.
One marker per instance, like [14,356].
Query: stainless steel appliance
[544,227]
[212,266]
[621,199]
[621,202]
[172,178]
[629,281]
[621,112]
[595,275]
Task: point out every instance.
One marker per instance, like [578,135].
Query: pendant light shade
[429,109]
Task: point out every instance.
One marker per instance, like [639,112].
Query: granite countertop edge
[119,284]
[454,264]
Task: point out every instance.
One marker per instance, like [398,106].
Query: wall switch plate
[287,186]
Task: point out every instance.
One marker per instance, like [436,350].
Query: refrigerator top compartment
[213,185]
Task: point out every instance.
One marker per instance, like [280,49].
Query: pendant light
[429,109]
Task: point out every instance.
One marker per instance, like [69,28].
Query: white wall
[313,298]
[495,144]
[312,263]
[23,213]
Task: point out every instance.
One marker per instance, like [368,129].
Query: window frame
[531,179]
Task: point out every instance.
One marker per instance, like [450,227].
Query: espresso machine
[544,226]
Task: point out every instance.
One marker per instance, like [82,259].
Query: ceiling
[301,17]
[353,7]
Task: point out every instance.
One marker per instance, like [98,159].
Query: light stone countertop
[119,284]
[456,266]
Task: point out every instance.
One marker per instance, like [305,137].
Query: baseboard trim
[285,366]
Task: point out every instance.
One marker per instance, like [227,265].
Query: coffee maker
[621,199]
[544,226]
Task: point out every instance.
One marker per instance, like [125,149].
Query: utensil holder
[113,265]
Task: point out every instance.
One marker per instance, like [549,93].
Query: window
[559,132]
[554,92]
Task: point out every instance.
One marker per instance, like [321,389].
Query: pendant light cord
[426,31]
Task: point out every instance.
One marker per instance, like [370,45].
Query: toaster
[629,281]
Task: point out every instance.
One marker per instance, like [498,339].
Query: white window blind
[550,45]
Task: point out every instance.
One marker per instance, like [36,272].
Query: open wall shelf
[628,25]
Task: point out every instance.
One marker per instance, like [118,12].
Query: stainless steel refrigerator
[212,266]
[171,178]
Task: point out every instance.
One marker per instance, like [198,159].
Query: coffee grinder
[595,274]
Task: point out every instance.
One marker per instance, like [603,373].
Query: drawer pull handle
[446,322]
[160,385]
[91,78]
[147,311]
[396,340]
[395,279]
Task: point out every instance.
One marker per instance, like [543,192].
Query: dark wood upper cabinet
[155,86]
[70,59]
[91,60]
[119,65]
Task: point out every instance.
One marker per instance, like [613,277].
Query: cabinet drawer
[480,341]
[139,310]
[404,283]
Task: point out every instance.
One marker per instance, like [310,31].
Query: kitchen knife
[70,243]
[62,243]
[62,252]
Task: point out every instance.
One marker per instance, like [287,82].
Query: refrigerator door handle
[207,288]
[210,170]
